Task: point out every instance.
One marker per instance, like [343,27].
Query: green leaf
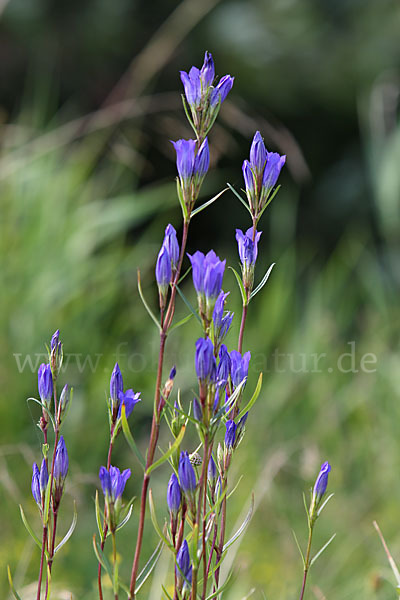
[47,496]
[181,200]
[241,286]
[272,196]
[239,197]
[253,398]
[98,516]
[181,322]
[29,528]
[129,437]
[203,206]
[44,407]
[156,525]
[127,516]
[149,566]
[322,549]
[221,589]
[391,561]
[321,508]
[169,452]
[186,301]
[242,527]
[299,548]
[188,116]
[186,273]
[10,581]
[147,307]
[101,557]
[69,532]
[163,589]
[263,281]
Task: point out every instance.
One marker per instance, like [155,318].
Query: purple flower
[116,384]
[35,486]
[224,366]
[212,471]
[187,476]
[45,383]
[172,373]
[205,360]
[61,462]
[247,248]
[221,323]
[230,435]
[183,568]
[202,160]
[208,272]
[113,482]
[258,154]
[185,150]
[192,86]
[272,169]
[322,481]
[239,366]
[43,477]
[174,496]
[248,177]
[197,410]
[220,92]
[163,270]
[241,425]
[207,72]
[55,340]
[171,244]
[129,399]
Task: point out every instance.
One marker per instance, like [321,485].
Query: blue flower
[199,90]
[258,155]
[208,273]
[221,322]
[129,399]
[207,72]
[220,92]
[35,486]
[163,270]
[197,410]
[185,150]
[322,481]
[55,340]
[212,471]
[192,86]
[272,170]
[224,366]
[247,247]
[43,477]
[64,398]
[171,244]
[202,161]
[174,496]
[187,476]
[184,567]
[61,462]
[205,363]
[116,384]
[113,482]
[45,383]
[230,435]
[239,366]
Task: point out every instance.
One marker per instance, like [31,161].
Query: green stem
[307,560]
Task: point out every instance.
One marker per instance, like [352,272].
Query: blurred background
[89,99]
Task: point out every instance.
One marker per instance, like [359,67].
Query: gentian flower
[205,360]
[207,72]
[239,366]
[261,174]
[197,410]
[116,384]
[212,471]
[221,323]
[43,477]
[35,486]
[220,92]
[224,366]
[174,496]
[64,398]
[45,383]
[56,352]
[185,151]
[61,462]
[163,274]
[171,244]
[55,340]
[248,255]
[187,476]
[129,399]
[208,272]
[113,482]
[192,167]
[184,568]
[192,86]
[241,426]
[230,435]
[321,482]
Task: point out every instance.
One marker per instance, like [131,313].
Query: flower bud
[174,496]
[184,567]
[56,353]
[321,482]
[212,472]
[61,463]
[45,384]
[205,361]
[116,384]
[35,486]
[43,477]
[224,366]
[171,244]
[197,410]
[220,92]
[187,476]
[230,435]
[207,71]
[163,274]
[239,366]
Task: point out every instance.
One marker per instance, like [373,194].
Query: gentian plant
[197,493]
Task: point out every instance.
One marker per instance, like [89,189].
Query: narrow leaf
[299,548]
[46,508]
[147,307]
[181,322]
[101,557]
[29,528]
[253,398]
[203,206]
[10,581]
[169,452]
[165,592]
[272,196]
[181,200]
[186,273]
[126,519]
[129,437]
[69,532]
[188,304]
[263,281]
[189,118]
[322,549]
[98,516]
[324,504]
[239,197]
[388,555]
[156,525]
[241,286]
[149,566]
[243,525]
